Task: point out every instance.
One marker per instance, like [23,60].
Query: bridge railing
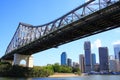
[25,33]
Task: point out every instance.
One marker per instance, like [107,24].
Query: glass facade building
[64,58]
[69,62]
[93,61]
[87,49]
[117,51]
[103,58]
[119,56]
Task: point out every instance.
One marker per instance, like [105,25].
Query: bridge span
[87,19]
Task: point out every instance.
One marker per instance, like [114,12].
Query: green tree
[65,69]
[56,67]
[76,70]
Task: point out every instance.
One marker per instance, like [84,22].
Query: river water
[92,77]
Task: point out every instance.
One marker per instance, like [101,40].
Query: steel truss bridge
[90,18]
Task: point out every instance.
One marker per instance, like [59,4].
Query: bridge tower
[27,58]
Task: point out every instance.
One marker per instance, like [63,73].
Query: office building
[117,51]
[112,65]
[97,67]
[118,65]
[81,63]
[119,55]
[93,61]
[64,58]
[75,65]
[69,62]
[103,58]
[88,60]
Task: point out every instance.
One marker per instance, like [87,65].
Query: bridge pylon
[27,58]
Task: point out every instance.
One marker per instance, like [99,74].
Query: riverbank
[7,70]
[64,75]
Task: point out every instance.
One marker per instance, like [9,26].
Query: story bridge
[90,18]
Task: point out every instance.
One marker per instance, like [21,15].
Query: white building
[81,63]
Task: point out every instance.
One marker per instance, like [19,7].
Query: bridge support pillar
[27,58]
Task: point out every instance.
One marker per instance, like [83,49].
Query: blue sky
[37,12]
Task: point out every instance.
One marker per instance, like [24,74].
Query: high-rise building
[119,56]
[112,65]
[81,63]
[69,62]
[117,51]
[93,61]
[103,57]
[64,58]
[75,65]
[118,65]
[88,60]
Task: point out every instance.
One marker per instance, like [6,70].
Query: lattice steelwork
[25,33]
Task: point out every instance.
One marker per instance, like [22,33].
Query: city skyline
[107,63]
[39,13]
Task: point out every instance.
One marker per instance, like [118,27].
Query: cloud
[116,42]
[96,44]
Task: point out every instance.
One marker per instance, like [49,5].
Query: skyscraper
[103,57]
[87,49]
[81,63]
[119,56]
[93,61]
[117,51]
[64,58]
[69,62]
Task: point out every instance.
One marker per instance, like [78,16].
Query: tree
[56,67]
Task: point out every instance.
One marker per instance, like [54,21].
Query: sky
[38,12]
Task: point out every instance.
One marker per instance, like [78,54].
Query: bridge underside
[100,21]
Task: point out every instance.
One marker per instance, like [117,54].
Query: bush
[8,70]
